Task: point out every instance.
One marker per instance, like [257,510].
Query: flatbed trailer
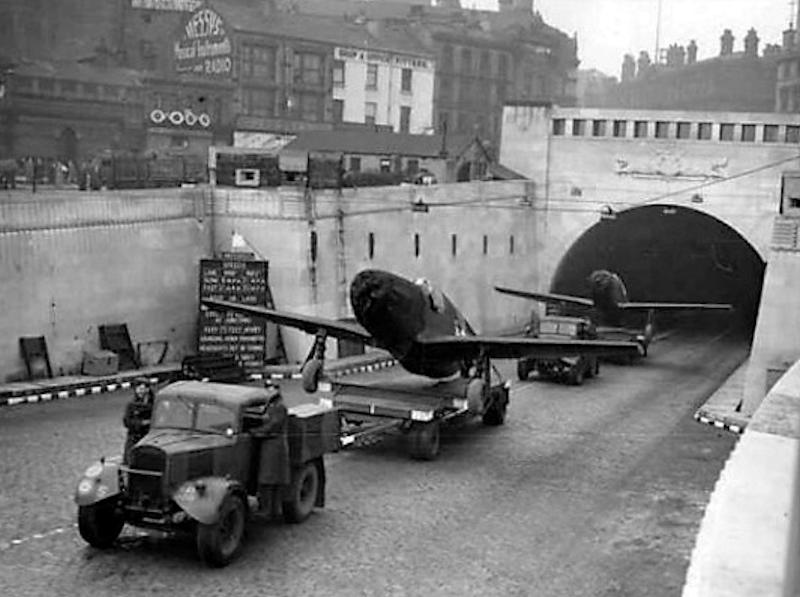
[413,405]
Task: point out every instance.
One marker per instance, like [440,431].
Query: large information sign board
[240,280]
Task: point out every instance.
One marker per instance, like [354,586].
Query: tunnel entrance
[669,254]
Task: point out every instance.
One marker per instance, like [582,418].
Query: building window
[447,57]
[662,129]
[726,131]
[485,244]
[502,67]
[748,132]
[372,76]
[598,128]
[386,164]
[511,244]
[466,60]
[412,167]
[792,133]
[640,129]
[405,80]
[485,65]
[338,73]
[371,245]
[258,102]
[338,110]
[578,127]
[307,68]
[405,119]
[620,128]
[453,244]
[370,112]
[683,130]
[704,131]
[355,164]
[770,133]
[559,126]
[445,88]
[416,245]
[258,62]
[310,107]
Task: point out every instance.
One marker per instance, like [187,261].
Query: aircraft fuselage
[398,312]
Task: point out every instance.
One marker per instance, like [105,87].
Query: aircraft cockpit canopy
[435,296]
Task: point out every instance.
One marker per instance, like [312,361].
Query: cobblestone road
[596,490]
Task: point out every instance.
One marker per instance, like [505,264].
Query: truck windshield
[181,413]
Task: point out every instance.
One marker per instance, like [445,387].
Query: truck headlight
[94,470]
[189,492]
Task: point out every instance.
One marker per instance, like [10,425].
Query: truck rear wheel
[302,493]
[424,441]
[219,543]
[100,524]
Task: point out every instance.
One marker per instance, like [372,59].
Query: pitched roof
[378,143]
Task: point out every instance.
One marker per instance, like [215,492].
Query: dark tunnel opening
[668,254]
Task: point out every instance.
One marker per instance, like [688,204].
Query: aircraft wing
[514,347]
[307,323]
[547,297]
[676,306]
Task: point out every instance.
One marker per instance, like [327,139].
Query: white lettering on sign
[204,23]
[371,56]
[174,5]
[204,48]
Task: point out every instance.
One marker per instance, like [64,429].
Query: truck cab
[198,464]
[572,369]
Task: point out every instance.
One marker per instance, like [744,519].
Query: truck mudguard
[201,498]
[99,482]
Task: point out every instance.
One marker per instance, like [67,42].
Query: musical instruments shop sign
[204,49]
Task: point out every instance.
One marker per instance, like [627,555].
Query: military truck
[198,465]
[572,369]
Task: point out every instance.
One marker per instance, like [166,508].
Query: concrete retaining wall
[71,261]
[748,539]
[278,224]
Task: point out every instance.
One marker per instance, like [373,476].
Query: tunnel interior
[668,254]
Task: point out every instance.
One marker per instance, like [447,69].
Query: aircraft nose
[368,292]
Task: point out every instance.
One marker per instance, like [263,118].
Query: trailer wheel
[311,373]
[476,395]
[523,369]
[100,524]
[424,440]
[496,414]
[219,543]
[576,376]
[302,493]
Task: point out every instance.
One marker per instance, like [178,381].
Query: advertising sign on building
[405,61]
[204,48]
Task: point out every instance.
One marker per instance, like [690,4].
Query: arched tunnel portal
[668,254]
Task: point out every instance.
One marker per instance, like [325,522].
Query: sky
[609,29]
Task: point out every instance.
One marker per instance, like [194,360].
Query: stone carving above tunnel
[668,164]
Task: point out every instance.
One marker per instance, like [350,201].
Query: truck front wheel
[100,524]
[219,543]
[302,493]
[424,441]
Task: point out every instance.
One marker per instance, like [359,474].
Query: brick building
[741,81]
